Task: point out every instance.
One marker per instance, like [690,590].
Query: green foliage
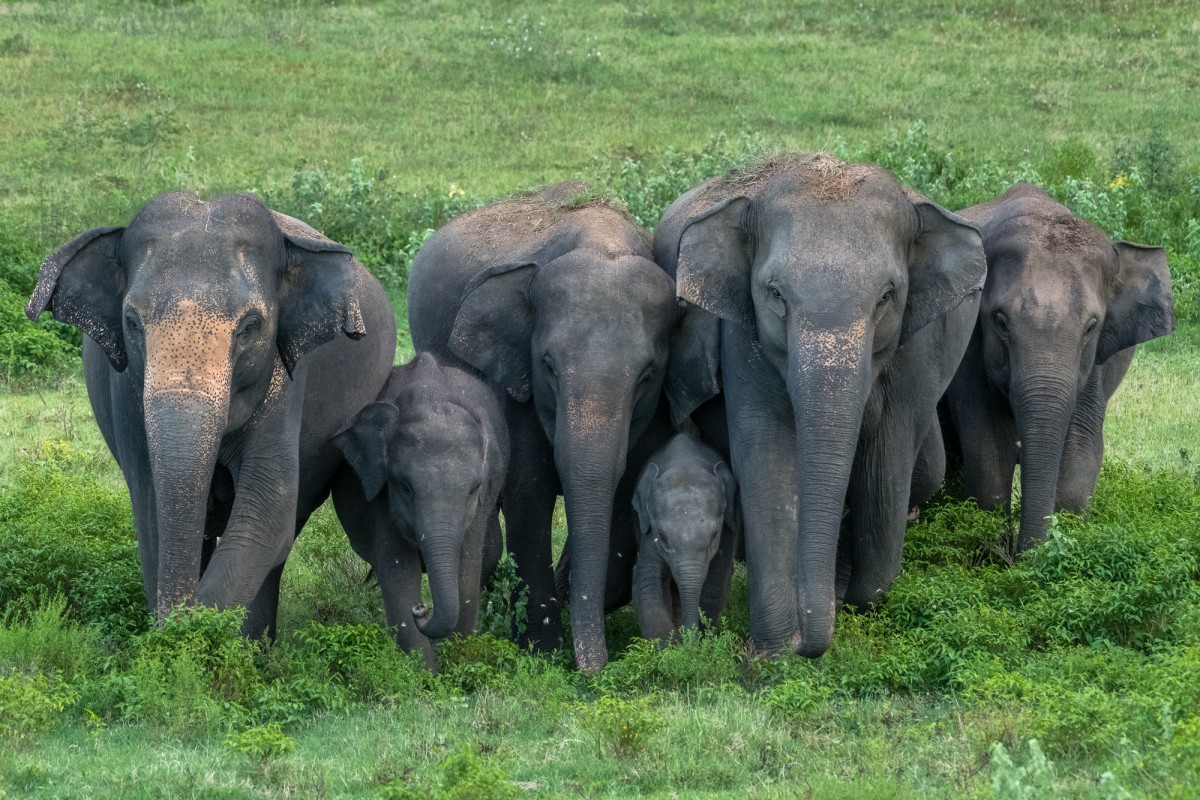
[476,662]
[364,659]
[622,726]
[262,743]
[462,775]
[1030,781]
[31,704]
[65,532]
[504,603]
[46,640]
[39,350]
[697,661]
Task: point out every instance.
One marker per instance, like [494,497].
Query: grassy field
[1074,673]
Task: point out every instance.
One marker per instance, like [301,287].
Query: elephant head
[682,506]
[583,335]
[1061,299]
[828,270]
[441,462]
[207,307]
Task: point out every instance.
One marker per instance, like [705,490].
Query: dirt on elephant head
[826,175]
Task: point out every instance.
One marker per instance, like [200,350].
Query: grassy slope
[426,93]
[101,103]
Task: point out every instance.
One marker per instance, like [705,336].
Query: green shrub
[65,532]
[46,640]
[622,726]
[262,743]
[462,775]
[364,659]
[476,662]
[797,698]
[503,607]
[697,661]
[31,704]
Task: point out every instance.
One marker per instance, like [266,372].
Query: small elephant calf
[427,462]
[686,504]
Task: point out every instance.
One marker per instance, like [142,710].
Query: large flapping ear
[713,269]
[82,283]
[732,518]
[318,292]
[946,263]
[1142,306]
[694,365]
[364,445]
[494,325]
[641,495]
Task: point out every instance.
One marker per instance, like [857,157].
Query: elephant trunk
[829,380]
[442,551]
[183,430]
[590,450]
[1042,405]
[690,581]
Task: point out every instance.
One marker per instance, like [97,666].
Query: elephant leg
[493,546]
[762,440]
[986,433]
[262,610]
[398,569]
[530,490]
[1083,451]
[471,573]
[715,592]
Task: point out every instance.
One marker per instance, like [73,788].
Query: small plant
[30,705]
[622,726]
[262,743]
[1031,781]
[504,606]
[797,698]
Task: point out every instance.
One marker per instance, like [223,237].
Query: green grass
[378,123]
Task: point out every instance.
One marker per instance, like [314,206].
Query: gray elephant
[554,297]
[1061,313]
[836,304]
[686,504]
[426,462]
[225,345]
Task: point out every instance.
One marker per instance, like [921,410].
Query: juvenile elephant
[686,504]
[836,304]
[1061,313]
[226,344]
[428,460]
[556,300]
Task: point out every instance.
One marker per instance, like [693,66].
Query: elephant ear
[712,275]
[494,325]
[364,445]
[641,493]
[82,283]
[318,292]
[946,263]
[1142,307]
[725,475]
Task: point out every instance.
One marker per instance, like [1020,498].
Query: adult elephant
[226,344]
[1061,313]
[836,304]
[554,297]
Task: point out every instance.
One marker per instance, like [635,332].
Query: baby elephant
[686,504]
[429,459]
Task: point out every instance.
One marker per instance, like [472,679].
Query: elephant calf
[686,505]
[1061,313]
[429,459]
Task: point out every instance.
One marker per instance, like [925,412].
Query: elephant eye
[1001,323]
[548,363]
[647,375]
[1091,326]
[250,327]
[888,296]
[775,300]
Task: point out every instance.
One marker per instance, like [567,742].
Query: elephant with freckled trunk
[426,462]
[226,344]
[1061,313]
[832,306]
[686,504]
[555,298]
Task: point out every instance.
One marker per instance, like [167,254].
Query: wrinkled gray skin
[686,504]
[426,462]
[836,304]
[225,345]
[559,304]
[1061,312]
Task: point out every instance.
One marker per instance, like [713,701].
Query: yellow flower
[1119,181]
[455,191]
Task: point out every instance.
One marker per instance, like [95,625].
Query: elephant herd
[781,375]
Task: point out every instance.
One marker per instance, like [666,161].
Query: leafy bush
[262,743]
[46,640]
[64,532]
[504,603]
[696,661]
[476,662]
[364,659]
[622,726]
[462,775]
[31,704]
